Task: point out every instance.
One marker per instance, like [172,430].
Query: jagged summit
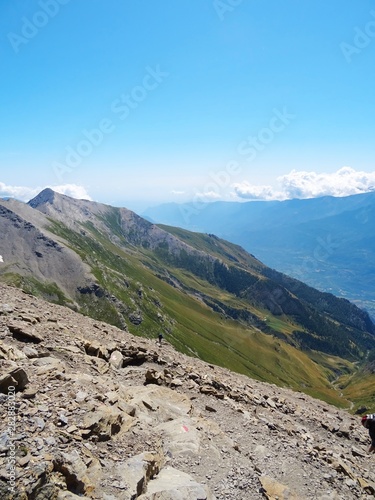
[45,196]
[48,195]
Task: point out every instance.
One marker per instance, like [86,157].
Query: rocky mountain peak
[45,196]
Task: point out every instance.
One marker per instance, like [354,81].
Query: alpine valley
[209,298]
[327,242]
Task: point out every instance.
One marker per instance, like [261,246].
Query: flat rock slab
[24,333]
[173,484]
[163,402]
[273,490]
[180,437]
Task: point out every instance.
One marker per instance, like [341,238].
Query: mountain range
[327,242]
[210,298]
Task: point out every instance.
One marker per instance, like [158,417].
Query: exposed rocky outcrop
[29,249]
[105,415]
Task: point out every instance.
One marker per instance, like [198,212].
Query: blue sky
[135,103]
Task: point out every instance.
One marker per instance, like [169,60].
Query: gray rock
[103,422]
[48,491]
[6,309]
[123,438]
[116,360]
[29,393]
[81,396]
[173,484]
[24,333]
[15,378]
[137,471]
[73,468]
[30,352]
[11,352]
[136,318]
[180,437]
[6,494]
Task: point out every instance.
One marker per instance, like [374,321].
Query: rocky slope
[102,414]
[29,249]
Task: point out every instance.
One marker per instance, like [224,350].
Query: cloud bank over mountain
[297,184]
[25,193]
[301,184]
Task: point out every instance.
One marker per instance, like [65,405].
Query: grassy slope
[49,291]
[359,388]
[216,247]
[190,325]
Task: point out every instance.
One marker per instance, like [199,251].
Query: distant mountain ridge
[210,297]
[326,242]
[274,212]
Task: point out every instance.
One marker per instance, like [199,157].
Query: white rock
[173,484]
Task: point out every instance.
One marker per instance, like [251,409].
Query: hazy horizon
[149,102]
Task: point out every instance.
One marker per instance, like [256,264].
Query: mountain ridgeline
[326,242]
[209,297]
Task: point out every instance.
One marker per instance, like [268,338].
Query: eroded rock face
[104,415]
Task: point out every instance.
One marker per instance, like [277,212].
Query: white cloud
[346,181]
[301,184]
[178,193]
[207,196]
[72,190]
[252,192]
[25,193]
[20,192]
